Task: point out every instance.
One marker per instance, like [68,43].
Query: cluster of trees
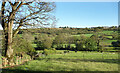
[72,31]
[43,41]
[86,45]
[63,41]
[56,31]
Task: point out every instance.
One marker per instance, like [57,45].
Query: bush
[66,51]
[49,51]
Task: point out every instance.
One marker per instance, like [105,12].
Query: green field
[87,35]
[108,32]
[80,61]
[107,42]
[109,37]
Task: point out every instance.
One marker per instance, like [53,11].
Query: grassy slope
[80,61]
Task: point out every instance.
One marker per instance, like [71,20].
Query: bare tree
[16,15]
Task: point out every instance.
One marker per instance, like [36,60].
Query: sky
[86,14]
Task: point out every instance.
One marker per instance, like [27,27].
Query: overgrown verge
[17,60]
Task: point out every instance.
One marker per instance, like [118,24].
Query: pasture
[86,35]
[72,61]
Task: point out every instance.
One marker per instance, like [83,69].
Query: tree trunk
[8,40]
[5,37]
[8,32]
[9,51]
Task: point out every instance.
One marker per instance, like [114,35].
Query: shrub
[66,51]
[49,51]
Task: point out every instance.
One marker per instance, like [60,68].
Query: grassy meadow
[72,61]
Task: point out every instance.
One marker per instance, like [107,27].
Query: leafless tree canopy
[28,14]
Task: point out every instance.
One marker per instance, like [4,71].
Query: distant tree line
[72,31]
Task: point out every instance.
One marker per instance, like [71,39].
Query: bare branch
[17,30]
[28,3]
[11,3]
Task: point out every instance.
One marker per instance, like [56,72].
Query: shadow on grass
[85,60]
[67,60]
[28,71]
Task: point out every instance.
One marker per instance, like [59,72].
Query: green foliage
[22,46]
[102,37]
[66,51]
[116,44]
[27,36]
[90,45]
[86,44]
[49,51]
[40,45]
[25,56]
[62,38]
[100,48]
[95,37]
[44,41]
[115,36]
[16,59]
[80,45]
